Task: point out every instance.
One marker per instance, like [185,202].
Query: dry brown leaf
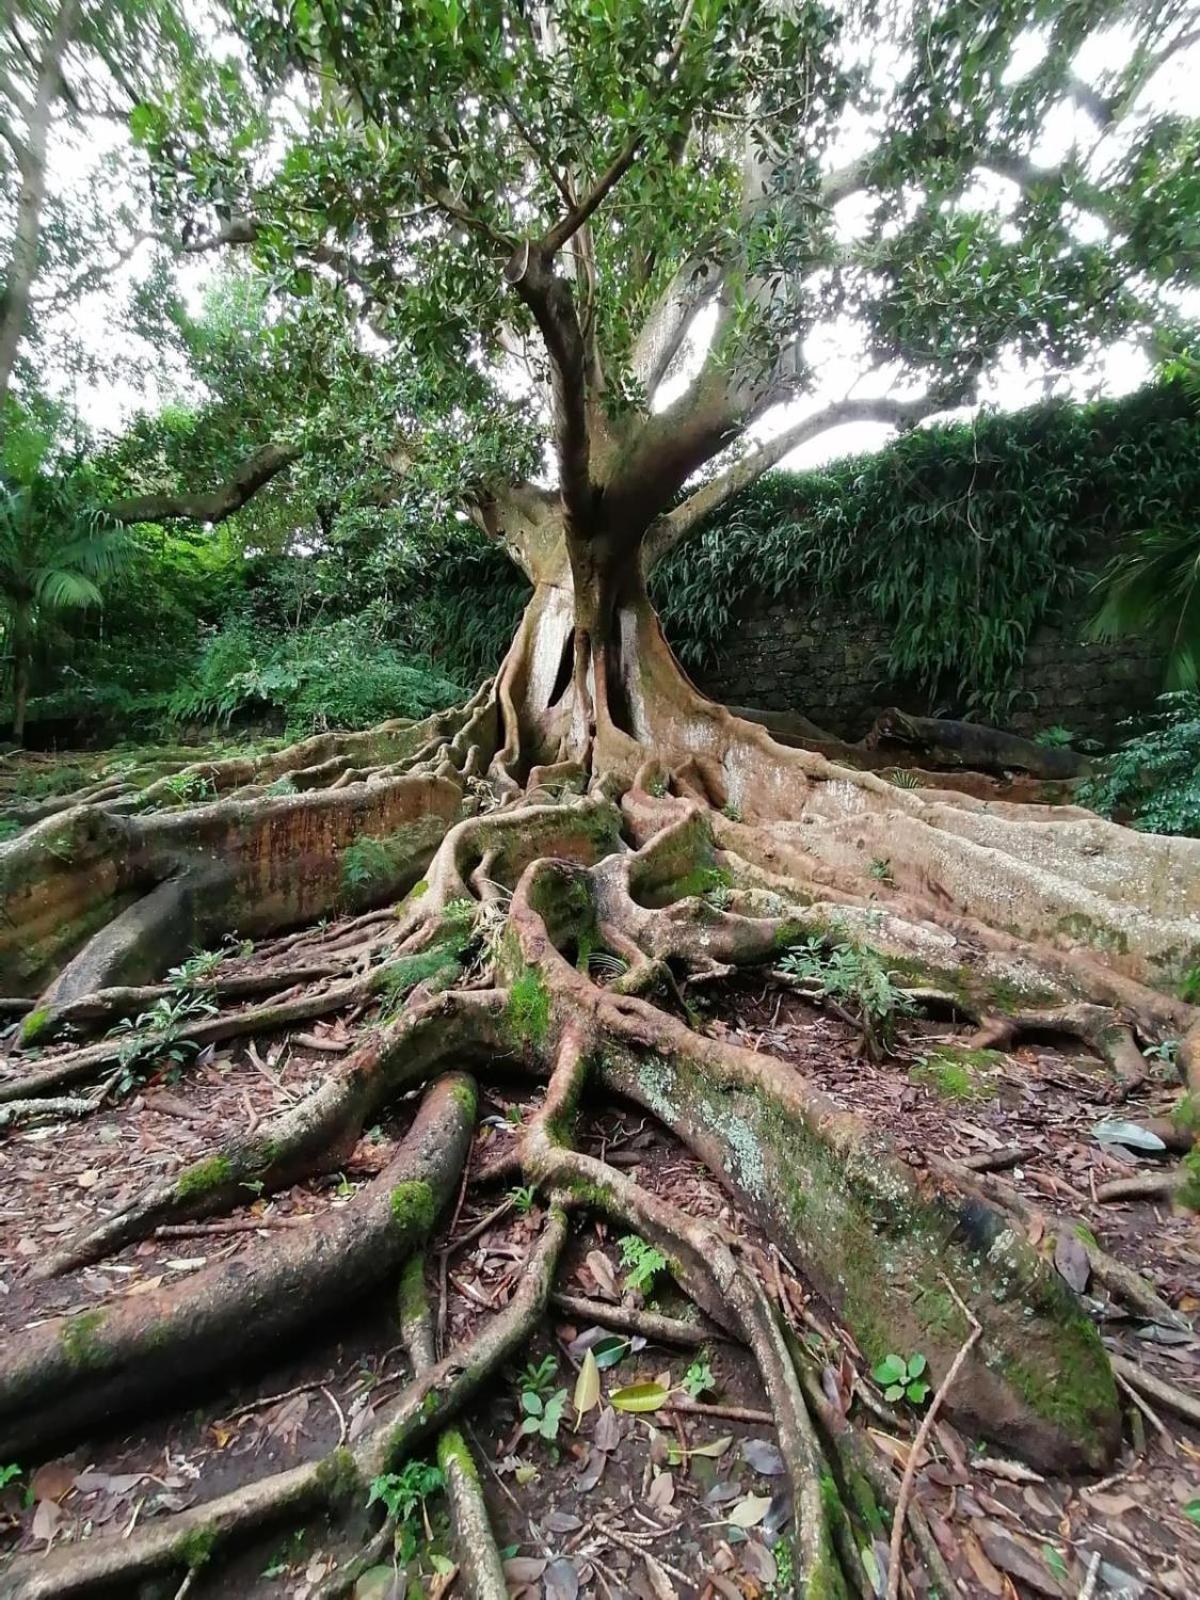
[983,1569]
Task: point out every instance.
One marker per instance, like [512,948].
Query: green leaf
[1055,1562]
[916,1392]
[532,1403]
[916,1365]
[587,1387]
[894,1391]
[639,1397]
[1192,1511]
[892,1369]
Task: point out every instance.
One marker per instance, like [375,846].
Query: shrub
[1153,779]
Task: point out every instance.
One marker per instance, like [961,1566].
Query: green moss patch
[203,1176]
[412,1207]
[528,1012]
[956,1073]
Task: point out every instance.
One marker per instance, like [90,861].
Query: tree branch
[670,529]
[620,165]
[549,298]
[213,505]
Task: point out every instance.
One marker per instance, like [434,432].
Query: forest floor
[685,1500]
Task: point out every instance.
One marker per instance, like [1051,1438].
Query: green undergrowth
[957,1073]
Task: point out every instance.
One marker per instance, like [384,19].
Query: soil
[619,1502]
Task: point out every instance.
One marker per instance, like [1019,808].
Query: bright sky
[96,324]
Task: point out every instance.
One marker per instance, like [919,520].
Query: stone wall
[826,660]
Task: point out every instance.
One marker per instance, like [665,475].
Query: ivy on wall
[959,538]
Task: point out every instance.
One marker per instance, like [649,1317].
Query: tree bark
[23,262]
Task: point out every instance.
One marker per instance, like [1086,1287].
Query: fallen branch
[1166,1394]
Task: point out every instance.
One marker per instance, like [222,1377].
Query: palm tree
[55,552]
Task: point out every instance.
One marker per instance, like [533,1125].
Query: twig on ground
[1166,1394]
[923,1432]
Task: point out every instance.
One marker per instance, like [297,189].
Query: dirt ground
[619,1502]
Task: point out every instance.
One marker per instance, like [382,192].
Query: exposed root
[1167,1395]
[595,888]
[650,1325]
[192,1537]
[314,1135]
[474,1543]
[1121,1280]
[73,1371]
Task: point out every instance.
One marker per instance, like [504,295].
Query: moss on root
[203,1176]
[528,1011]
[452,1451]
[339,1479]
[33,1024]
[412,1207]
[194,1549]
[879,1247]
[80,1339]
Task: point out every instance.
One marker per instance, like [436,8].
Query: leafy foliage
[960,537]
[334,675]
[902,1379]
[1153,779]
[403,1495]
[643,1260]
[857,980]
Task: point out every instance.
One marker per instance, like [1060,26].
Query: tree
[68,69]
[516,231]
[56,550]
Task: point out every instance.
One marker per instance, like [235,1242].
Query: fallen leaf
[661,1491]
[381,1583]
[561,1580]
[640,1397]
[713,1450]
[118,1483]
[988,1575]
[524,1569]
[1010,1557]
[52,1481]
[1071,1261]
[601,1269]
[587,1387]
[563,1522]
[1131,1134]
[606,1435]
[748,1513]
[761,1456]
[88,1179]
[47,1519]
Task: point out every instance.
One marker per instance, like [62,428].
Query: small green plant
[1055,738]
[881,870]
[902,778]
[856,980]
[784,1585]
[1188,1193]
[698,1379]
[732,811]
[9,1473]
[8,829]
[403,1494]
[543,1414]
[523,1198]
[643,1260]
[186,786]
[1189,986]
[196,970]
[156,1035]
[901,1379]
[539,1379]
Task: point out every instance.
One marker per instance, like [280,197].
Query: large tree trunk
[592,803]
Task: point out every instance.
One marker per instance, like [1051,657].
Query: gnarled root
[190,1538]
[73,1371]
